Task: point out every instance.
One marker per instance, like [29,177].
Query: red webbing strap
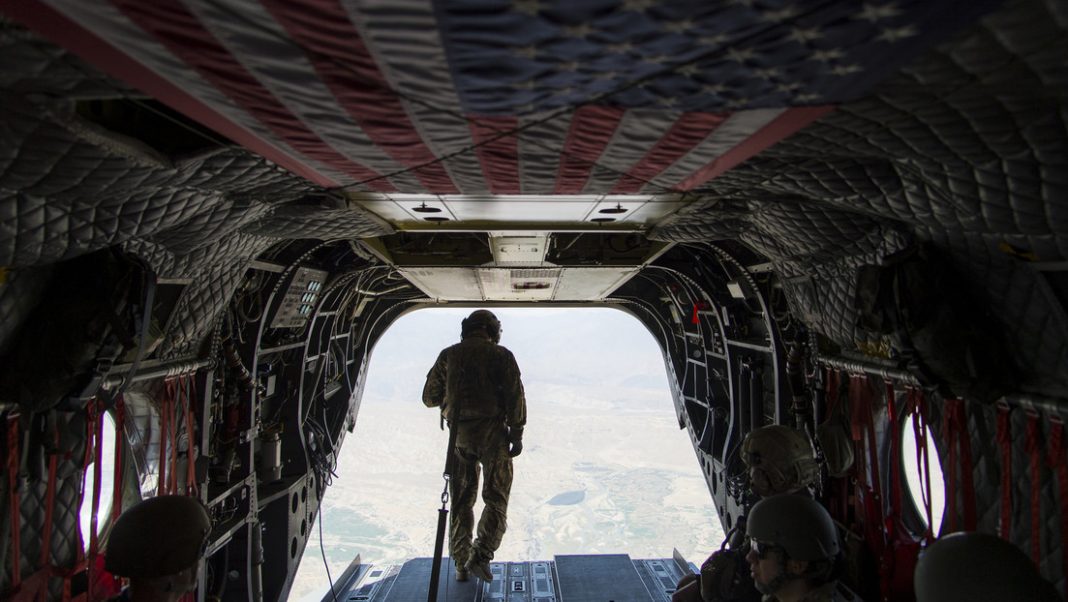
[1034,449]
[50,505]
[1005,442]
[172,433]
[869,497]
[892,522]
[120,438]
[96,417]
[161,488]
[190,435]
[955,432]
[833,387]
[13,458]
[918,407]
[967,479]
[1059,463]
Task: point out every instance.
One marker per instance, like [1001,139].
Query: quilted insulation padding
[68,189]
[986,473]
[965,148]
[33,489]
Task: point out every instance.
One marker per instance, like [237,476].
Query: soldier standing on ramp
[476,383]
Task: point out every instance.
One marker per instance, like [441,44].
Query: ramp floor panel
[599,578]
[413,583]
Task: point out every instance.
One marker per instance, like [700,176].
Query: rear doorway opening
[605,468]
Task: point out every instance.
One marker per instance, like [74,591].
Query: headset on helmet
[483,320]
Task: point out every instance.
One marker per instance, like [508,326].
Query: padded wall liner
[966,148]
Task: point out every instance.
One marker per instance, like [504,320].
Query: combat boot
[480,568]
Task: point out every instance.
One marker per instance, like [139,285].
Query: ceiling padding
[965,148]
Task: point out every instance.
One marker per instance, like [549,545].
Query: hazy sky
[605,468]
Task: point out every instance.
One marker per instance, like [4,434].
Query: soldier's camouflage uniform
[476,383]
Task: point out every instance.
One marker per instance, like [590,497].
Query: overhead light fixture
[614,210]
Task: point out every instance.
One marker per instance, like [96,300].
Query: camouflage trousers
[481,446]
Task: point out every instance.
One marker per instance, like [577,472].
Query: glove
[515,441]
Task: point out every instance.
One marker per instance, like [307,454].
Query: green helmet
[483,320]
[978,567]
[158,537]
[795,523]
[780,460]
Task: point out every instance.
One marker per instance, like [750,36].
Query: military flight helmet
[484,320]
[780,460]
[978,567]
[797,524]
[158,537]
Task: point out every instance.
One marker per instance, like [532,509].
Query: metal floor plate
[599,578]
[577,578]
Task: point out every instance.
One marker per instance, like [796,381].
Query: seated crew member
[158,545]
[978,567]
[794,552]
[778,460]
[477,385]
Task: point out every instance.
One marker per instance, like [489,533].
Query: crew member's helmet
[483,320]
[780,460]
[979,567]
[158,537]
[795,523]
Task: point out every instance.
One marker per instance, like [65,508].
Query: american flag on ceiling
[501,96]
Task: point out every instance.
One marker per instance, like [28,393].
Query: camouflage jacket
[825,593]
[481,378]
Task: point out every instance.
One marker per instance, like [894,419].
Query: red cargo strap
[893,524]
[13,458]
[96,441]
[120,440]
[1059,464]
[164,431]
[955,433]
[1034,449]
[917,406]
[190,436]
[50,505]
[869,496]
[1005,442]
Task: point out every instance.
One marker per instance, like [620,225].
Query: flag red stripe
[781,127]
[344,64]
[66,32]
[589,134]
[687,132]
[499,157]
[185,37]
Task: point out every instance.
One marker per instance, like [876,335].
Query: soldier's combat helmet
[979,567]
[780,460]
[798,524]
[158,537]
[483,320]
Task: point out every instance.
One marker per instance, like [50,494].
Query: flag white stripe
[403,37]
[637,132]
[729,134]
[539,153]
[143,47]
[269,54]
